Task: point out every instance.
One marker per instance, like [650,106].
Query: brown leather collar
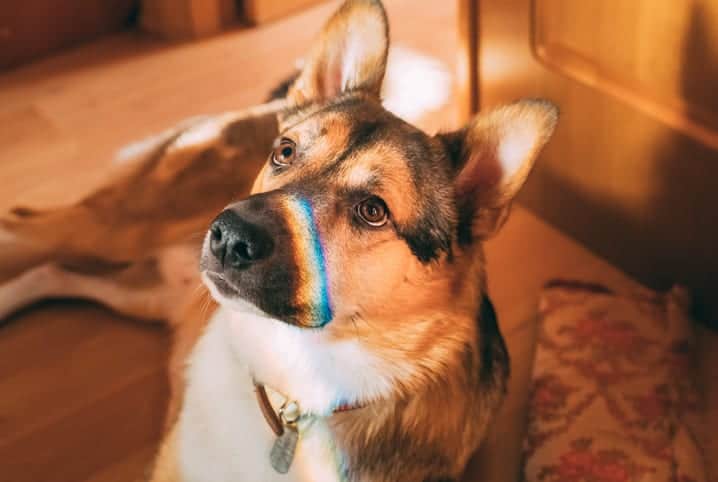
[272,418]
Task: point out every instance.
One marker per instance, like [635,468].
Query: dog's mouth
[223,286]
[228,294]
[232,295]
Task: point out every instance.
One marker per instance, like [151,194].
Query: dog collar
[289,413]
[284,424]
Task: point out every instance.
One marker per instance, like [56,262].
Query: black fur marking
[494,355]
[363,135]
[432,234]
[455,150]
[464,233]
[425,243]
[281,90]
[454,146]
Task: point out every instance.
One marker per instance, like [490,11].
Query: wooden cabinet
[632,171]
[33,28]
[187,19]
[261,11]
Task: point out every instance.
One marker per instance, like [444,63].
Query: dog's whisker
[352,318]
[195,236]
[376,330]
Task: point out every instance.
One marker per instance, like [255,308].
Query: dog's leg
[53,281]
[152,289]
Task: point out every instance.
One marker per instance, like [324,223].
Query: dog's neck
[241,343]
[303,364]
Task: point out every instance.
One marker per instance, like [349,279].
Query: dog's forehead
[353,149]
[357,144]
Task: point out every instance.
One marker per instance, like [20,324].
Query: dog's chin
[228,295]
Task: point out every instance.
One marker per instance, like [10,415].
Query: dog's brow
[311,109]
[361,176]
[364,187]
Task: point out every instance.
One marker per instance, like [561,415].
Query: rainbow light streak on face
[312,286]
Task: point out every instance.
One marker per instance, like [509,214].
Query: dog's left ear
[349,54]
[492,157]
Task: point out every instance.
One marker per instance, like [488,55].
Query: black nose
[237,243]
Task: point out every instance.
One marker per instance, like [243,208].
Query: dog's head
[359,218]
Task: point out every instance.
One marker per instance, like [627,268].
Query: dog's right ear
[349,54]
[492,157]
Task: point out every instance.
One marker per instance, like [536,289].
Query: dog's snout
[237,243]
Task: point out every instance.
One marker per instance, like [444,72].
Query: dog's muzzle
[267,250]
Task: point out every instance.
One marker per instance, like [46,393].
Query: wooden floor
[82,391]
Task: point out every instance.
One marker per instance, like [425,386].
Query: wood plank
[65,370]
[132,467]
[78,380]
[33,28]
[91,439]
[257,12]
[187,19]
[467,59]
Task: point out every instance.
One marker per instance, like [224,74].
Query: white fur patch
[139,149]
[203,132]
[414,84]
[303,363]
[222,433]
[352,55]
[359,175]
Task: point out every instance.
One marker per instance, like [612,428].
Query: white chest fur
[223,436]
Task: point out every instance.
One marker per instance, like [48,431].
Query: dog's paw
[17,224]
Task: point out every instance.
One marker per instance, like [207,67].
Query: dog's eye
[283,153]
[373,211]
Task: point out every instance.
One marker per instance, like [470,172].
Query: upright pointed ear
[492,157]
[349,54]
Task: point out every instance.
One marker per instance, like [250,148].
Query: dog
[343,330]
[347,334]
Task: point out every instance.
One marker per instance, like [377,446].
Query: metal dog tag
[283,449]
[282,453]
